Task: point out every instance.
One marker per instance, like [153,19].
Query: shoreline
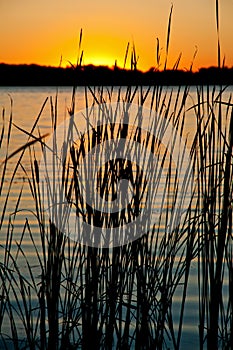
[35,75]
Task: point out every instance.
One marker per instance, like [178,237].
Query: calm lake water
[27,103]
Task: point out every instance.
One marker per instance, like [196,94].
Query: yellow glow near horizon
[99,61]
[40,32]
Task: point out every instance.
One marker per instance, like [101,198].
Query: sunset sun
[99,60]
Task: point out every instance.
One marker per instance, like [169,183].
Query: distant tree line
[35,75]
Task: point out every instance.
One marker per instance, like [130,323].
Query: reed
[123,295]
[215,196]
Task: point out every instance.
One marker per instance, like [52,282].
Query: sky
[43,31]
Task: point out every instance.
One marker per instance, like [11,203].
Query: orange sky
[41,31]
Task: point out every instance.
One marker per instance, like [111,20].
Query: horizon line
[114,67]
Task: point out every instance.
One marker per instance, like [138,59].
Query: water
[27,103]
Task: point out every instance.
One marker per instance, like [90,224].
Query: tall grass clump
[214,142]
[123,296]
[56,291]
[214,115]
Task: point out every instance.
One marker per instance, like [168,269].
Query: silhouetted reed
[214,143]
[122,296]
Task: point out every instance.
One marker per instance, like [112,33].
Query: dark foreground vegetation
[59,294]
[34,75]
